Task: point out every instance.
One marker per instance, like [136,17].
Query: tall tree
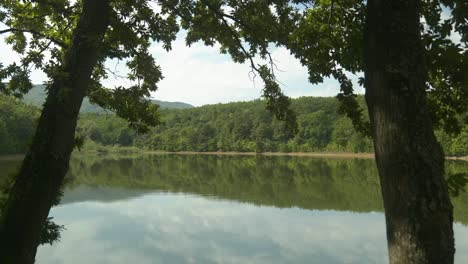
[410,161]
[71,41]
[38,183]
[78,37]
[405,51]
[415,80]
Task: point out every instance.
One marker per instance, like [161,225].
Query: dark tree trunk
[40,179]
[410,162]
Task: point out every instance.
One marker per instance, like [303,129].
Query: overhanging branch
[34,33]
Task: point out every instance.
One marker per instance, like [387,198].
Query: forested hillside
[241,126]
[37,97]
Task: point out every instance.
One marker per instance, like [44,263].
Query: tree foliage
[328,40]
[40,31]
[326,36]
[241,126]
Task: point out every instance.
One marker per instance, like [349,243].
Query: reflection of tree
[303,182]
[310,183]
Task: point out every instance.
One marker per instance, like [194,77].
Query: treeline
[240,126]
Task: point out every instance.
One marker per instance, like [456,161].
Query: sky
[200,75]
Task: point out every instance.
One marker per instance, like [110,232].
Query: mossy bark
[41,175]
[410,161]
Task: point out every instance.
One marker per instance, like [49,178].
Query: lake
[225,209]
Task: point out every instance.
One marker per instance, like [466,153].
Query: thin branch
[35,33]
[246,53]
[276,65]
[233,34]
[56,6]
[272,64]
[222,16]
[25,7]
[43,48]
[331,12]
[233,18]
[115,74]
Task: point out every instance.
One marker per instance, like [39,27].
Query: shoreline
[359,155]
[346,155]
[11,157]
[291,154]
[463,158]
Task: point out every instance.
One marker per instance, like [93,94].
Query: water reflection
[175,228]
[218,209]
[171,228]
[308,183]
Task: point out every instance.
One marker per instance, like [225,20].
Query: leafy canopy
[40,32]
[328,40]
[325,35]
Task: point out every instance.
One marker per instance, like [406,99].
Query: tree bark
[41,175]
[418,211]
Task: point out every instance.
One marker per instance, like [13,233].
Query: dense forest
[240,126]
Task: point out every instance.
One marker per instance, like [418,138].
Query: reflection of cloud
[170,228]
[461,243]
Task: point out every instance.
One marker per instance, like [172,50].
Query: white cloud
[201,75]
[8,56]
[180,228]
[175,228]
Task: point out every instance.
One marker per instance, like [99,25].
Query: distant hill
[37,97]
[172,105]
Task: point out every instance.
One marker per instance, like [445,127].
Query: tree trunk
[418,211]
[41,175]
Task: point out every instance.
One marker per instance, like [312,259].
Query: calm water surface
[225,209]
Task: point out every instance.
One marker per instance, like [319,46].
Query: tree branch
[35,33]
[223,17]
[56,6]
[331,12]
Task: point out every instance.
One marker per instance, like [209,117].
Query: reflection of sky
[172,228]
